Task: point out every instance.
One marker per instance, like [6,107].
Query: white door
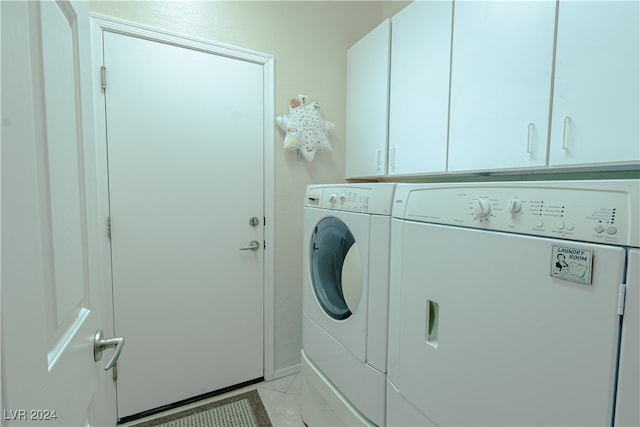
[596,103]
[51,295]
[419,88]
[367,103]
[500,82]
[185,151]
[488,337]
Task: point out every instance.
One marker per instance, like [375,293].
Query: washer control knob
[482,208]
[343,197]
[333,198]
[514,205]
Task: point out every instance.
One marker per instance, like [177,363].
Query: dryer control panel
[606,211]
[374,198]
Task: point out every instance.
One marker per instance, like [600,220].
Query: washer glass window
[336,272]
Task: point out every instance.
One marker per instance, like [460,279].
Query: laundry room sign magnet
[573,264]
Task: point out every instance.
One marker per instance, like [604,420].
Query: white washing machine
[515,303]
[345,303]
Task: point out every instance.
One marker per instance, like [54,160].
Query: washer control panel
[374,198]
[350,200]
[594,211]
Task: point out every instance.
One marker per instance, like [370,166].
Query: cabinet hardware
[564,132]
[529,129]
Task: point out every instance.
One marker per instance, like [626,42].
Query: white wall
[309,40]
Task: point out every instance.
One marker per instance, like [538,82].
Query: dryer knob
[514,206]
[482,208]
[333,198]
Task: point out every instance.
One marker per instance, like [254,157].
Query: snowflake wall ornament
[305,129]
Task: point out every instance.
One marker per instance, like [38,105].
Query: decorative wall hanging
[305,129]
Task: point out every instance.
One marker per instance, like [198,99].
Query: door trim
[103,23]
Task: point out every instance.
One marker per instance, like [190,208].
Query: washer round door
[336,268]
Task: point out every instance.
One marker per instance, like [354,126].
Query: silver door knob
[253,246]
[100,345]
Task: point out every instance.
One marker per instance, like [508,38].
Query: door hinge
[622,293]
[109,227]
[103,77]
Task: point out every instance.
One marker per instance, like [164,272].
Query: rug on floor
[243,410]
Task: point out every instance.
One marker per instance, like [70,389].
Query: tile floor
[281,399]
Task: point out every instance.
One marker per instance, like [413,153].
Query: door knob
[100,344]
[253,246]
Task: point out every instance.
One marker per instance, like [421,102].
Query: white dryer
[345,303]
[515,303]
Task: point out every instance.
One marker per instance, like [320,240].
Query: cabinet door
[500,84]
[368,104]
[595,102]
[419,88]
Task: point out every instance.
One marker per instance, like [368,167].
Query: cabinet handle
[378,155]
[564,132]
[392,159]
[529,129]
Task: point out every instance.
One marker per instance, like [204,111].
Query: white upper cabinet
[368,104]
[500,84]
[419,88]
[595,115]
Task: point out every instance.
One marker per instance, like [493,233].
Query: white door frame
[101,23]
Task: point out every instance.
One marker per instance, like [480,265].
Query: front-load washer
[345,303]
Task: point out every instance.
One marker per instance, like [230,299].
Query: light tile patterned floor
[281,399]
